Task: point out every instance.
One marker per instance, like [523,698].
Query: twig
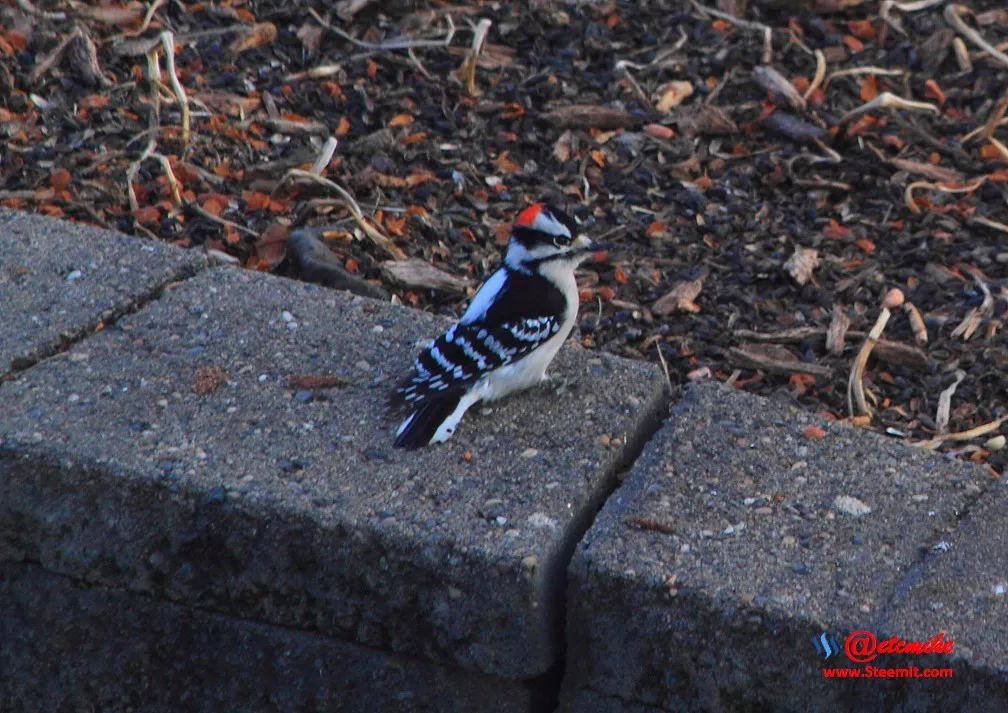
[972,319]
[54,57]
[980,220]
[325,155]
[132,171]
[945,402]
[144,24]
[964,435]
[766,363]
[203,213]
[661,358]
[28,7]
[467,72]
[1002,149]
[951,15]
[857,71]
[168,43]
[912,205]
[727,17]
[379,238]
[400,43]
[855,384]
[153,126]
[955,152]
[915,6]
[986,131]
[888,22]
[885,100]
[962,55]
[170,176]
[820,72]
[624,66]
[419,65]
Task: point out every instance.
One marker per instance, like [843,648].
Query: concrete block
[169,455]
[961,589]
[59,280]
[68,647]
[736,538]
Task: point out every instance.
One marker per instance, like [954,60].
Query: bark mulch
[766,174]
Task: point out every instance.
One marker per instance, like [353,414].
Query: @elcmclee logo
[861,646]
[825,645]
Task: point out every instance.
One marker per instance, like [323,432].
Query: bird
[507,336]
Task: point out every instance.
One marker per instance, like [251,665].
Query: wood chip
[837,332]
[796,129]
[775,359]
[706,120]
[899,354]
[588,116]
[415,274]
[782,92]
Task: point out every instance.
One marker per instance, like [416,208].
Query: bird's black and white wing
[485,340]
[507,337]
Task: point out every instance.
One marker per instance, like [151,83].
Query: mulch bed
[758,211]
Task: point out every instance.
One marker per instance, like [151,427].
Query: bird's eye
[562,241]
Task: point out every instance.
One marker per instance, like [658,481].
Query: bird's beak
[581,242]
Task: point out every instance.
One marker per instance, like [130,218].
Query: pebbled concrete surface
[71,648]
[703,580]
[59,280]
[962,588]
[169,455]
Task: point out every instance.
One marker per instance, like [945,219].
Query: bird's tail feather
[420,426]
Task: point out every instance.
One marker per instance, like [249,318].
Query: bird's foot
[558,384]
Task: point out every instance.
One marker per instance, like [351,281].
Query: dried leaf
[801,265]
[862,29]
[680,298]
[853,43]
[564,146]
[258,35]
[835,231]
[933,91]
[59,179]
[311,36]
[672,94]
[400,120]
[869,88]
[271,248]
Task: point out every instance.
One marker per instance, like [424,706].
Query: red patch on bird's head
[528,216]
